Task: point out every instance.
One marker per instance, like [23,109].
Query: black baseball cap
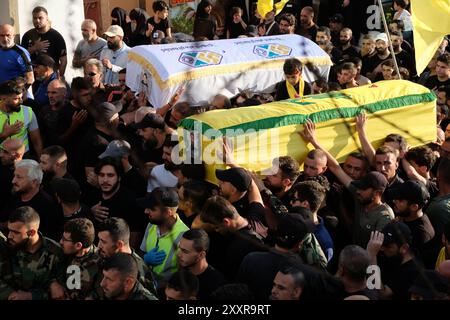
[339,18]
[44,60]
[238,177]
[293,227]
[151,120]
[413,191]
[104,112]
[373,179]
[68,190]
[160,197]
[397,232]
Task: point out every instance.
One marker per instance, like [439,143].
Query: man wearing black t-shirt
[372,65]
[27,192]
[159,21]
[192,255]
[44,39]
[403,58]
[115,200]
[442,77]
[238,237]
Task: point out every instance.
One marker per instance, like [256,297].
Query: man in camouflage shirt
[81,266]
[29,262]
[120,279]
[114,237]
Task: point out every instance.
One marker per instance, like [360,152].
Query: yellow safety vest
[169,243]
[25,115]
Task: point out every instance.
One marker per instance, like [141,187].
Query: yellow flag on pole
[265,6]
[431,22]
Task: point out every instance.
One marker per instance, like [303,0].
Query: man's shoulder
[52,247]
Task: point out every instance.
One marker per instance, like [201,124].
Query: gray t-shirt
[368,221]
[85,49]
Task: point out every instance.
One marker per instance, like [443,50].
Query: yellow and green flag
[265,6]
[431,22]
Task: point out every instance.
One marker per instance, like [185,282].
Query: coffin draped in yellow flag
[430,19]
[261,133]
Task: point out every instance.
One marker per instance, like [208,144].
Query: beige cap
[114,30]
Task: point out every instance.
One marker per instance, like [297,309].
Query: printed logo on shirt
[272,50]
[198,59]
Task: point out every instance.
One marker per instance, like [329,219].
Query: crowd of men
[92,205]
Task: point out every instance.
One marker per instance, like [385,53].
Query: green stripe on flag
[320,116]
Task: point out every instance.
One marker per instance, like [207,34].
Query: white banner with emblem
[207,68]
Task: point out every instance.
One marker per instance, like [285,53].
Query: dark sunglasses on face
[91,74]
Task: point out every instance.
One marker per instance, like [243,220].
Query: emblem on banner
[271,50]
[198,59]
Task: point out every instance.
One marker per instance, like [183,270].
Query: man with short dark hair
[372,65]
[403,58]
[293,86]
[77,243]
[44,73]
[192,256]
[442,77]
[53,163]
[29,262]
[348,50]
[346,75]
[409,199]
[287,24]
[323,39]
[120,279]
[315,164]
[307,28]
[239,240]
[285,171]
[114,237]
[44,39]
[114,200]
[288,284]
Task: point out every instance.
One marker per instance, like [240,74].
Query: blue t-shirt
[14,62]
[40,95]
[324,238]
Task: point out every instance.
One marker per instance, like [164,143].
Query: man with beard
[323,39]
[120,279]
[192,255]
[115,200]
[114,237]
[287,24]
[131,179]
[91,45]
[53,163]
[403,58]
[163,233]
[163,175]
[345,39]
[409,199]
[372,65]
[44,73]
[48,115]
[29,262]
[95,141]
[44,39]
[285,171]
[336,24]
[27,192]
[15,61]
[371,213]
[307,28]
[153,131]
[77,243]
[114,57]
[442,77]
[399,267]
[17,121]
[11,152]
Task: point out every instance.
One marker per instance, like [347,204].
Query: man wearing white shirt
[114,57]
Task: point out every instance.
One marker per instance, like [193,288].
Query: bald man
[48,115]
[15,61]
[90,46]
[11,151]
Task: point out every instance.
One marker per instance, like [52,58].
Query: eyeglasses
[65,240]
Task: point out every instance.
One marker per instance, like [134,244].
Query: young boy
[237,26]
[159,21]
[294,86]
